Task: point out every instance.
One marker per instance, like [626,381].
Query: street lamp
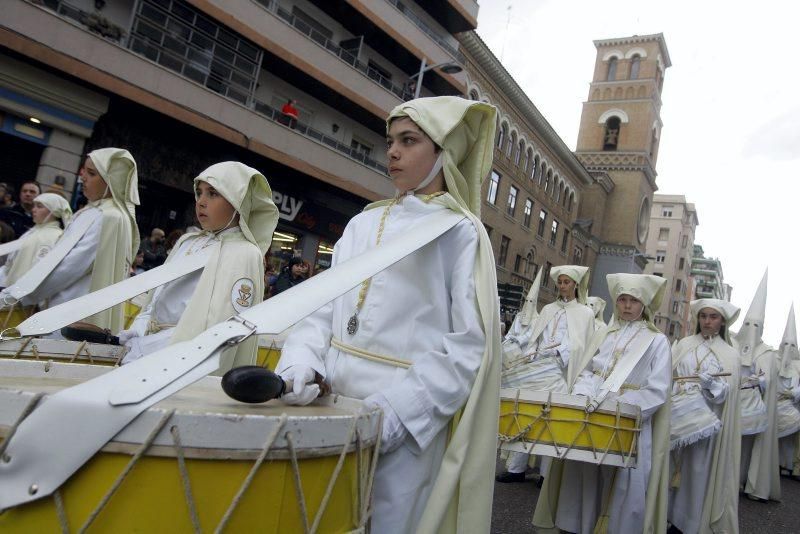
[448,67]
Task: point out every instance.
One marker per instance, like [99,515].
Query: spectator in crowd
[290,113]
[291,275]
[137,267]
[155,251]
[6,195]
[172,238]
[20,216]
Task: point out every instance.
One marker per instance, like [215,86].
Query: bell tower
[618,144]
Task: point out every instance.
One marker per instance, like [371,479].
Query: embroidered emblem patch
[242,294]
[43,251]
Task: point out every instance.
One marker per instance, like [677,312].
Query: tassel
[601,527]
[675,482]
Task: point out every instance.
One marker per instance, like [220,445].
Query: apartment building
[186,83]
[670,249]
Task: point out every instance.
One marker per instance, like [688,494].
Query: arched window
[559,191]
[534,164]
[635,62]
[502,132]
[529,264]
[542,173]
[611,134]
[473,95]
[512,143]
[529,166]
[520,151]
[564,196]
[612,69]
[548,182]
[571,201]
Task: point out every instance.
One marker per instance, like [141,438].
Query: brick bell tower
[618,144]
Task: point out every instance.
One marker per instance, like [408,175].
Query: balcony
[166,87]
[455,15]
[427,30]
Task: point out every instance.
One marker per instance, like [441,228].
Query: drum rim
[568,400]
[9,349]
[220,434]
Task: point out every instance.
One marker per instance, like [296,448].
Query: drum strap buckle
[247,324]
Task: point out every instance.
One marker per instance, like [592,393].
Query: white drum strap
[624,368]
[52,319]
[83,418]
[42,269]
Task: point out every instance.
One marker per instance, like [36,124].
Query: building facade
[708,278]
[531,198]
[618,144]
[670,251]
[186,83]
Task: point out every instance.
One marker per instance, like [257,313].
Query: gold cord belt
[367,355]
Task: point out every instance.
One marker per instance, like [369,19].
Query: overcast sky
[731,135]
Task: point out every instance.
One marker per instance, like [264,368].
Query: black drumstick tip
[252,384]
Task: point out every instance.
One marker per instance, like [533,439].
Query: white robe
[694,461]
[424,310]
[788,419]
[156,323]
[72,277]
[583,485]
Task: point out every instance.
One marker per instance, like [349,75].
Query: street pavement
[514,503]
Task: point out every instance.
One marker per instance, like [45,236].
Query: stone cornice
[619,161]
[477,49]
[635,39]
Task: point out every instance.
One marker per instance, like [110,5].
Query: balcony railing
[179,64]
[419,23]
[276,116]
[289,18]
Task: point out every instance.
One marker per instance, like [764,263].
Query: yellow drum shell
[269,351]
[131,311]
[558,425]
[153,498]
[11,317]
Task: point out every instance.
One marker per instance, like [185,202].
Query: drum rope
[366,510]
[251,475]
[121,477]
[8,315]
[120,354]
[336,471]
[78,351]
[545,417]
[360,474]
[25,413]
[297,486]
[187,483]
[61,512]
[22,348]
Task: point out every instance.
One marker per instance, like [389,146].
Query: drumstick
[696,377]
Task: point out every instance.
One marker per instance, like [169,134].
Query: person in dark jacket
[291,275]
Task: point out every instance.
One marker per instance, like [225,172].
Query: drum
[214,465]
[61,350]
[131,311]
[269,351]
[788,416]
[558,425]
[14,315]
[691,419]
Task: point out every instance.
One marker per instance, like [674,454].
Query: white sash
[59,316]
[28,283]
[624,368]
[83,418]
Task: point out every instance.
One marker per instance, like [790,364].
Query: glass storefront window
[324,255]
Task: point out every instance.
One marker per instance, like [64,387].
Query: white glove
[304,390]
[126,335]
[706,380]
[547,353]
[394,433]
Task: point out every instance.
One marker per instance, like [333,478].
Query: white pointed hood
[529,312]
[749,335]
[598,306]
[790,355]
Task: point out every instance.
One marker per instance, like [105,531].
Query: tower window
[612,69]
[635,63]
[611,135]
